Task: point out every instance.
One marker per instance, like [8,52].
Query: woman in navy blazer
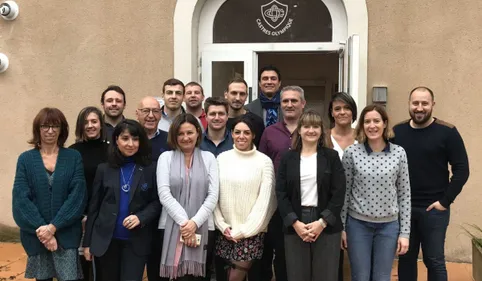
[310,188]
[123,204]
[49,197]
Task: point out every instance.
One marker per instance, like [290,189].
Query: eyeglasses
[147,111]
[46,128]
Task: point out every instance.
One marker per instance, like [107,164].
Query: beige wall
[65,53]
[437,44]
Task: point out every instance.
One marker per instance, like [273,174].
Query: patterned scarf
[271,106]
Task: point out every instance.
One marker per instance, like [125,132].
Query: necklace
[126,186]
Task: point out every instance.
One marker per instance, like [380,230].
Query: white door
[219,67]
[349,70]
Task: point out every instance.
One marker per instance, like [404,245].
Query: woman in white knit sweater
[246,201]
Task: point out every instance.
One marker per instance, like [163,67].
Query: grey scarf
[190,193]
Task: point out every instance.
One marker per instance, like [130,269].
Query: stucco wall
[65,53]
[435,43]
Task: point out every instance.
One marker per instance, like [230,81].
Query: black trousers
[121,263]
[273,246]
[154,259]
[88,269]
[317,261]
[209,261]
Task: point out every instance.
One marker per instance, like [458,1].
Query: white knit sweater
[247,199]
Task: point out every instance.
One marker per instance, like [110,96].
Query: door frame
[189,25]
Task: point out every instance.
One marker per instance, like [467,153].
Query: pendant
[126,187]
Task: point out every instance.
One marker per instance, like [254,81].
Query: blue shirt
[126,177]
[225,145]
[158,144]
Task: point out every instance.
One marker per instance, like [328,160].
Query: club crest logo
[274,19]
[274,13]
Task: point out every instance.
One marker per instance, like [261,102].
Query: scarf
[190,190]
[271,106]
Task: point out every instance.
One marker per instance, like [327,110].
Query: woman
[91,143]
[342,112]
[376,212]
[244,173]
[310,189]
[49,197]
[188,187]
[124,203]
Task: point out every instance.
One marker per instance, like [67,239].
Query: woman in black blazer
[310,188]
[124,203]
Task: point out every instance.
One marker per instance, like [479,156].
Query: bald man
[149,114]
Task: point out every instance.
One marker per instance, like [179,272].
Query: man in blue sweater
[149,114]
[431,145]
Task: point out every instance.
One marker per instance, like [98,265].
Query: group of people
[237,190]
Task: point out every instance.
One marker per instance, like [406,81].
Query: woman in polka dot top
[376,213]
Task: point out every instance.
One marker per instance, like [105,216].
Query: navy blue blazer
[104,207]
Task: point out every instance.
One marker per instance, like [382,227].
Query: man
[268,104]
[431,144]
[113,101]
[149,114]
[173,96]
[236,94]
[193,98]
[217,138]
[275,141]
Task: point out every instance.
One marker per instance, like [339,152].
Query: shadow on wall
[9,233]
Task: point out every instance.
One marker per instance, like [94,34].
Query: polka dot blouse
[377,185]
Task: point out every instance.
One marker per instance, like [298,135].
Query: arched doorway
[209,39]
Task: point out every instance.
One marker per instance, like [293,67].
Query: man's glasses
[46,128]
[147,111]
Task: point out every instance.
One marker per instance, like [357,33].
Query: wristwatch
[322,222]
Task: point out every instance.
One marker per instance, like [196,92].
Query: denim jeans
[428,230]
[371,249]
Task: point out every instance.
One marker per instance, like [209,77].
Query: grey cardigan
[171,207]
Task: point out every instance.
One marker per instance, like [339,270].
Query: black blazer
[331,189]
[104,206]
[256,108]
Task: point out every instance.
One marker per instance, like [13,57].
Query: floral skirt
[61,264]
[245,250]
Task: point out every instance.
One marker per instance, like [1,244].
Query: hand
[227,234]
[131,222]
[87,254]
[315,228]
[300,229]
[402,247]
[45,233]
[190,241]
[51,244]
[188,228]
[437,206]
[84,220]
[344,244]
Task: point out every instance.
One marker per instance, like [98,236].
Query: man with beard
[267,106]
[431,144]
[193,98]
[217,138]
[148,114]
[113,101]
[275,141]
[236,94]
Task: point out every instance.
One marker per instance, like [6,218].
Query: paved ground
[13,258]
